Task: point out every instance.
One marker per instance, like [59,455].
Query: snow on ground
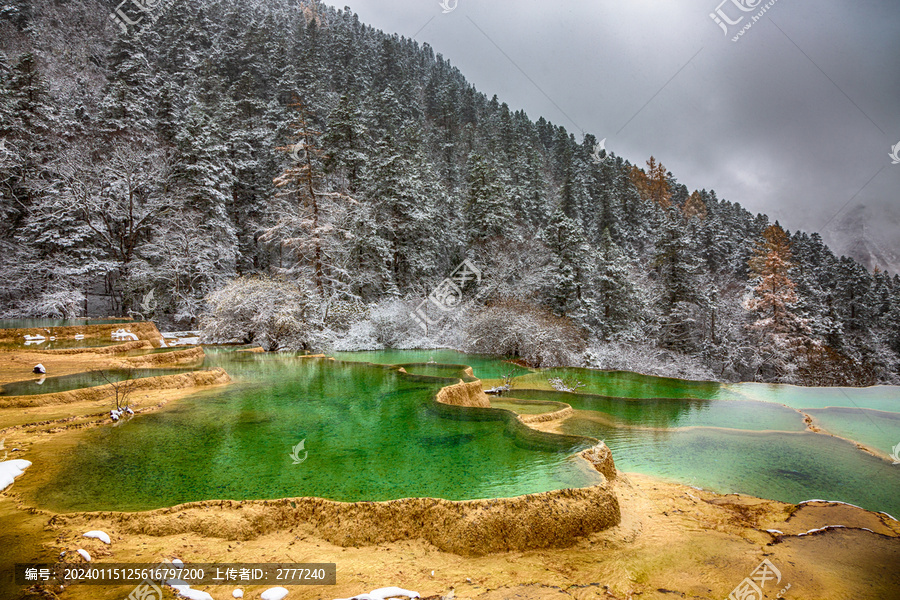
[818,529]
[181,338]
[830,502]
[185,591]
[275,593]
[385,593]
[10,469]
[100,535]
[84,554]
[121,334]
[238,593]
[390,592]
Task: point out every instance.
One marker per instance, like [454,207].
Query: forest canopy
[283,145]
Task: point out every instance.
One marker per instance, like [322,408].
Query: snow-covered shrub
[341,314]
[565,384]
[512,328]
[394,327]
[646,359]
[360,336]
[260,310]
[65,304]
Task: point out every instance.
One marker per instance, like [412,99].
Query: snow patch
[831,502]
[80,336]
[10,469]
[818,529]
[275,593]
[84,554]
[389,592]
[121,334]
[384,594]
[184,590]
[238,593]
[180,338]
[179,564]
[883,513]
[774,531]
[100,535]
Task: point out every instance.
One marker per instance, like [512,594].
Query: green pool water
[634,385]
[673,413]
[64,383]
[445,371]
[484,367]
[881,397]
[58,344]
[791,467]
[29,323]
[372,433]
[625,384]
[524,407]
[369,433]
[876,429]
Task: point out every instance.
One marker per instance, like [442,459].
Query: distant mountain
[870,236]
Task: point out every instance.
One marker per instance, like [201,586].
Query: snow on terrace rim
[10,469]
[183,589]
[383,594]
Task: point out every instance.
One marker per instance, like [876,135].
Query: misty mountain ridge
[869,236]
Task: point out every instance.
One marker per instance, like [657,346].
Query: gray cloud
[755,120]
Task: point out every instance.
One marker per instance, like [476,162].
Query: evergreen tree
[487,211]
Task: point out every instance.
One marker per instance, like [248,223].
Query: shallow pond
[485,367]
[370,432]
[29,323]
[57,344]
[65,383]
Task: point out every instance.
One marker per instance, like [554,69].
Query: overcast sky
[796,119]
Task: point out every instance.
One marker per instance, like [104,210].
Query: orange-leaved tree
[783,332]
